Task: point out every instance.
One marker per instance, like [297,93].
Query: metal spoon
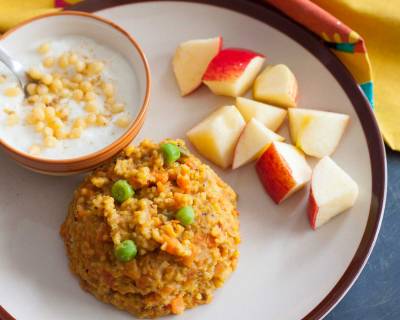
[15,67]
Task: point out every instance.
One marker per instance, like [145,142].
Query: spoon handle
[15,67]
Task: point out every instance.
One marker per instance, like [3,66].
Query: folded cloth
[345,43]
[13,12]
[376,22]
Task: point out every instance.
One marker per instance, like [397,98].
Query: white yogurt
[116,70]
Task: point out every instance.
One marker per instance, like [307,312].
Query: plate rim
[267,14]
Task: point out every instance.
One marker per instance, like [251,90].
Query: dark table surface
[376,294]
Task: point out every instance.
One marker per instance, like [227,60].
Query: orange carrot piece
[177,305]
[161,176]
[183,183]
[172,246]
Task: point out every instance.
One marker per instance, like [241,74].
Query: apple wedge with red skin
[332,192]
[232,71]
[191,60]
[283,170]
[253,140]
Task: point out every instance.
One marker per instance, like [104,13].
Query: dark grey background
[376,294]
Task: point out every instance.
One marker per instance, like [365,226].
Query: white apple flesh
[216,136]
[332,192]
[272,117]
[317,133]
[276,85]
[191,60]
[253,141]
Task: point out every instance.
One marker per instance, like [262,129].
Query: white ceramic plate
[286,271]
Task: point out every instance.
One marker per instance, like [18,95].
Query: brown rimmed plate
[286,270]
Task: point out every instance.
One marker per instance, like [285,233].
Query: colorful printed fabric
[378,23]
[345,43]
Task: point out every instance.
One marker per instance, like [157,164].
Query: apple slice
[232,71]
[332,192]
[191,60]
[276,85]
[283,170]
[216,136]
[270,116]
[253,141]
[317,133]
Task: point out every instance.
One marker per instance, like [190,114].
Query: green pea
[122,190]
[170,152]
[185,215]
[125,251]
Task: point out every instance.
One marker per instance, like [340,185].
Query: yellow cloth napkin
[378,22]
[13,12]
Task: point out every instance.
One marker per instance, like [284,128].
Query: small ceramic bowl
[106,33]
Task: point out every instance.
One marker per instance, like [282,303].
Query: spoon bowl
[15,67]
